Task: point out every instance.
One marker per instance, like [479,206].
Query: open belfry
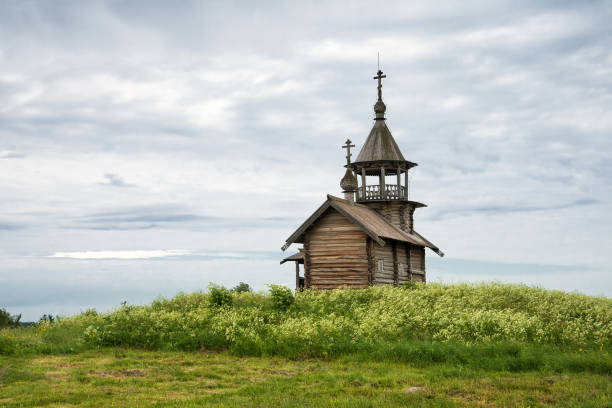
[367,238]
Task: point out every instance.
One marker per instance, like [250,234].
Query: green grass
[465,345]
[134,378]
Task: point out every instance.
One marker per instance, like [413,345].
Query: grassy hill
[369,346]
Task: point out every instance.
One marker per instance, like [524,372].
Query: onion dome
[349,181]
[379,109]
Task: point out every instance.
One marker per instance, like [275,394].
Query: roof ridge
[331,197]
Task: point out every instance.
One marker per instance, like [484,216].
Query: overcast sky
[148,148]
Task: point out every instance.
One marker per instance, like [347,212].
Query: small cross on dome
[379,76]
[348,146]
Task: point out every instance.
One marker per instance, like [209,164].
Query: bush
[282,297]
[47,318]
[242,288]
[6,320]
[219,296]
[409,284]
[430,322]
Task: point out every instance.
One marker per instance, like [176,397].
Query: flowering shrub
[219,296]
[327,323]
[282,297]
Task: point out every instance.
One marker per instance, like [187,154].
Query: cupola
[380,156]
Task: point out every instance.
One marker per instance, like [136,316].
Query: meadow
[460,345]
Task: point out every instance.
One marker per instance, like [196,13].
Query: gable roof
[371,223]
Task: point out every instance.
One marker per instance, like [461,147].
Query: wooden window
[381,265]
[402,269]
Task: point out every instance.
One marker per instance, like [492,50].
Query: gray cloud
[496,209]
[167,216]
[7,154]
[229,138]
[10,226]
[115,180]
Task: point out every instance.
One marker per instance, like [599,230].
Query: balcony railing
[391,192]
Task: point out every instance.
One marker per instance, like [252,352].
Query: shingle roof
[298,256]
[371,222]
[380,145]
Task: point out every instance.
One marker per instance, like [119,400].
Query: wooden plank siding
[402,259]
[417,263]
[384,253]
[336,253]
[412,258]
[398,213]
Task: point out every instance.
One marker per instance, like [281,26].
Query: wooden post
[363,183]
[370,255]
[297,275]
[399,184]
[423,264]
[409,262]
[381,182]
[406,182]
[307,262]
[395,264]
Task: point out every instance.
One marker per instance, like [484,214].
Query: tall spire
[379,106]
[380,146]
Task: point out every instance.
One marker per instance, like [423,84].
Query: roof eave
[375,163]
[365,229]
[430,245]
[327,204]
[302,228]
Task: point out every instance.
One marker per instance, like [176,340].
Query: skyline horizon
[147,151]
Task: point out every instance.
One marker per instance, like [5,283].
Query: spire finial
[379,76]
[379,107]
[347,146]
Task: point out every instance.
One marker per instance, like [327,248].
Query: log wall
[336,253]
[417,263]
[398,213]
[411,257]
[384,253]
[402,259]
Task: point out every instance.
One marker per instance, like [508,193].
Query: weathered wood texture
[395,263]
[404,263]
[336,253]
[398,213]
[417,263]
[384,253]
[307,263]
[371,260]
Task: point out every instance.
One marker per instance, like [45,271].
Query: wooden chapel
[367,238]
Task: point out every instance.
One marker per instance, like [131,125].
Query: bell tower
[383,171]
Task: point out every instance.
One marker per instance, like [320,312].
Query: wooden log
[363,183]
[370,256]
[307,261]
[395,264]
[409,261]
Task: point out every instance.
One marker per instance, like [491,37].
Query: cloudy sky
[149,148]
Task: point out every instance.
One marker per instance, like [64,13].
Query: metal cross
[348,151]
[379,76]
